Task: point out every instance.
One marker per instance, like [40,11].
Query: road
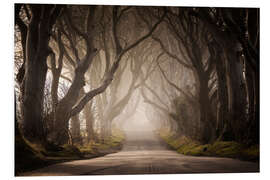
[143,153]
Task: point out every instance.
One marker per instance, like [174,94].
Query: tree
[36,51]
[71,105]
[235,25]
[192,45]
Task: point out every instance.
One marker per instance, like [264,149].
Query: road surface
[143,153]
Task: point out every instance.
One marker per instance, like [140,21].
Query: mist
[142,82]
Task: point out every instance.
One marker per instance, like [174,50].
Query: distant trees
[115,99]
[68,106]
[191,45]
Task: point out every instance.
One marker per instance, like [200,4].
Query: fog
[136,69]
[139,121]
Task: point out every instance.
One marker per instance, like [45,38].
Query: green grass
[26,158]
[110,144]
[66,151]
[30,156]
[231,149]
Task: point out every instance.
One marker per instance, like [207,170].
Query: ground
[144,153]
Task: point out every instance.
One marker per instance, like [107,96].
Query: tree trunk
[34,80]
[37,50]
[108,130]
[75,129]
[238,96]
[89,118]
[250,91]
[206,117]
[256,107]
[62,112]
[253,110]
[61,134]
[222,126]
[33,98]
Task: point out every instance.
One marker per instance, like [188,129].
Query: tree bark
[238,96]
[206,117]
[253,106]
[223,111]
[88,114]
[37,50]
[76,130]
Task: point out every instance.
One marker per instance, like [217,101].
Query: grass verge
[30,156]
[109,145]
[230,149]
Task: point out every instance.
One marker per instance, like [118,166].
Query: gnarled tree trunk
[206,117]
[37,50]
[237,96]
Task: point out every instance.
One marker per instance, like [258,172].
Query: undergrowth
[109,145]
[30,156]
[231,149]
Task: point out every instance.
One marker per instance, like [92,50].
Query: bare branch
[174,85]
[109,75]
[170,54]
[156,95]
[88,96]
[123,11]
[147,100]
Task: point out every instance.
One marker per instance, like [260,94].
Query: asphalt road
[143,153]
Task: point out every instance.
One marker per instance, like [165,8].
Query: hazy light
[139,121]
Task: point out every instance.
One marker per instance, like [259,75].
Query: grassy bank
[109,145]
[30,156]
[231,149]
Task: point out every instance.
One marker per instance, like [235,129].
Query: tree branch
[88,96]
[109,76]
[170,54]
[147,100]
[175,86]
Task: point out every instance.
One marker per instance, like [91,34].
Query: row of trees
[218,49]
[79,49]
[197,68]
